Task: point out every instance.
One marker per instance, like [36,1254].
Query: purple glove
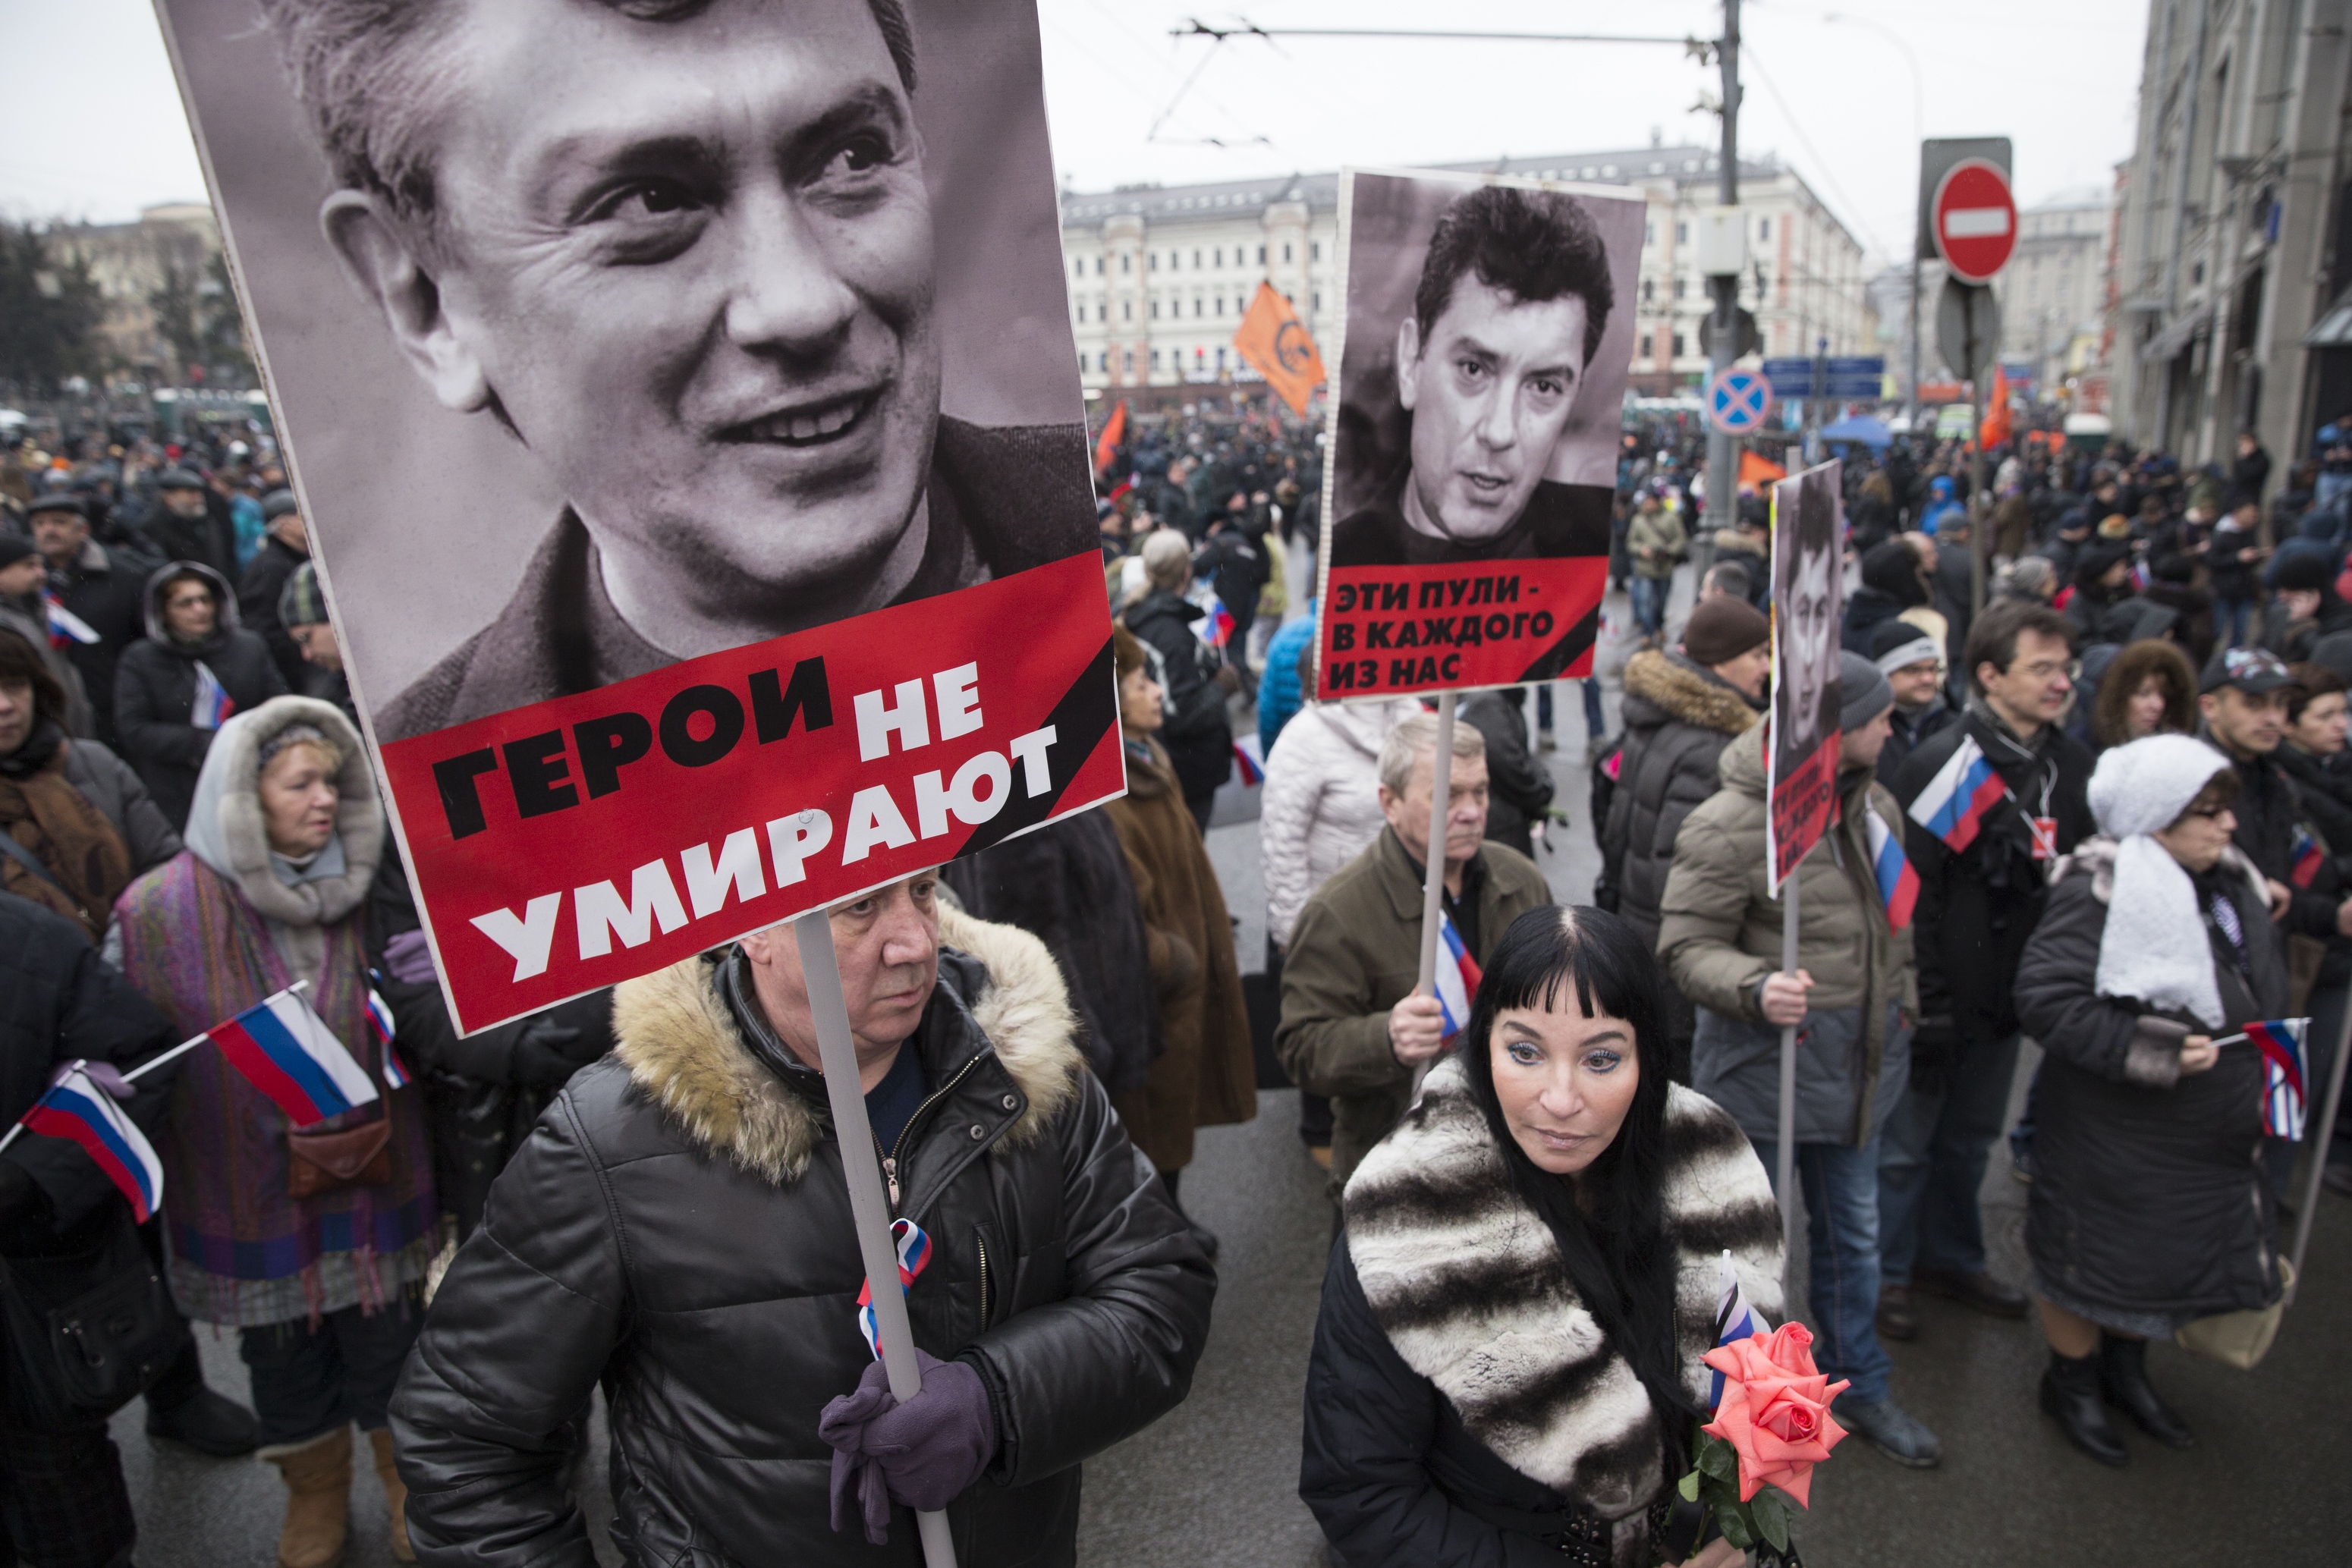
[920,1455]
[409,958]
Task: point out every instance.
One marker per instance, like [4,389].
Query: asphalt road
[1216,1483]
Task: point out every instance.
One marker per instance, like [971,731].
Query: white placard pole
[1432,880]
[2319,1136]
[1785,1152]
[870,1209]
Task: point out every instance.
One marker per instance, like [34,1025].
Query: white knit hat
[2154,949]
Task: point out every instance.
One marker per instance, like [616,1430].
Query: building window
[1764,228]
[1221,359]
[1155,310]
[1196,261]
[1155,261]
[1314,251]
[1221,255]
[1317,297]
[1126,310]
[1650,233]
[1682,233]
[1127,362]
[1286,250]
[1082,315]
[1102,362]
[1678,288]
[1649,290]
[1196,306]
[1221,305]
[1098,267]
[1127,261]
[1155,359]
[1678,345]
[1261,255]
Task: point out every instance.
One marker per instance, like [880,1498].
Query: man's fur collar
[1468,1284]
[1687,693]
[680,1044]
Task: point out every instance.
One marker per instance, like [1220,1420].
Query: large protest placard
[1807,603]
[683,402]
[1484,349]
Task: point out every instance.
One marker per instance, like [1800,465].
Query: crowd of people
[639,1190]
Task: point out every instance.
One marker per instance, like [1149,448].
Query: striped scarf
[201,953]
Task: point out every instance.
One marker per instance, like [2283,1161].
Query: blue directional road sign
[1738,401]
[1844,376]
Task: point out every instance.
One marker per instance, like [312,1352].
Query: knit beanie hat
[14,547]
[2300,570]
[1720,630]
[1899,645]
[300,602]
[1867,692]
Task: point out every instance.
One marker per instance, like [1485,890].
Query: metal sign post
[869,1208]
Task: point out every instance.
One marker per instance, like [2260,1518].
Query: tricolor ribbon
[914,1254]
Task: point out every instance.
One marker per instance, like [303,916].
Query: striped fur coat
[1467,1283]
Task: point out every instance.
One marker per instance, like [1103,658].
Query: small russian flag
[77,1109]
[1899,885]
[1252,774]
[2307,854]
[1216,627]
[380,1024]
[2139,576]
[914,1256]
[2280,1041]
[213,705]
[1735,1320]
[1953,805]
[286,1052]
[65,626]
[1457,977]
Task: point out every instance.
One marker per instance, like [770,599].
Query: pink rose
[1775,1411]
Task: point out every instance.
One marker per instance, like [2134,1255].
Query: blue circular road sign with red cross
[1738,401]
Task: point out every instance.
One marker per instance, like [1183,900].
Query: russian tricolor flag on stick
[1457,977]
[213,705]
[380,1024]
[77,1109]
[286,1052]
[2306,855]
[1953,805]
[1734,1318]
[914,1251]
[2281,1044]
[1899,885]
[65,626]
[1216,628]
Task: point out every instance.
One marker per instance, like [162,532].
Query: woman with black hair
[1507,1367]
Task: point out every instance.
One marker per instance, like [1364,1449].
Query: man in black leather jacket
[678,1229]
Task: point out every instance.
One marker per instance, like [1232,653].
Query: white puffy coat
[1321,800]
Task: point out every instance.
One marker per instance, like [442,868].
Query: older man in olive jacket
[1851,1001]
[1351,1026]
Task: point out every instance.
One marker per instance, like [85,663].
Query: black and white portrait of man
[1808,604]
[1493,392]
[686,259]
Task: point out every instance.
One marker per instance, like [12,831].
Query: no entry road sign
[1974,220]
[1738,401]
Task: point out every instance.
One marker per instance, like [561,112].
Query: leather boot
[2070,1395]
[395,1492]
[318,1501]
[2123,1381]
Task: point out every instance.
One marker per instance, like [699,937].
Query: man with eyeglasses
[1976,905]
[2243,697]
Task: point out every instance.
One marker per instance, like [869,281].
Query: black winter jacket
[2147,1195]
[1679,718]
[1518,787]
[2268,807]
[59,1000]
[1069,885]
[155,692]
[256,604]
[678,1229]
[1197,732]
[1977,908]
[104,588]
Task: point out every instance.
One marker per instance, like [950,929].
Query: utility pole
[1722,465]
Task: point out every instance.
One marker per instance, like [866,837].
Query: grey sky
[91,126]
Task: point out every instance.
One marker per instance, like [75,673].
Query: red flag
[1114,430]
[1997,420]
[1273,338]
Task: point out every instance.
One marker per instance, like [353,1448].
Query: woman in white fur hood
[2148,1210]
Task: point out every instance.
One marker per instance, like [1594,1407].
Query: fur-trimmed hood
[226,829]
[2097,857]
[682,1046]
[1681,690]
[1468,1284]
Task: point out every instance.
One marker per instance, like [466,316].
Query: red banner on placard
[1389,631]
[574,843]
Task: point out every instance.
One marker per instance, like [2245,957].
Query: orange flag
[1997,420]
[1754,472]
[1274,339]
[1113,431]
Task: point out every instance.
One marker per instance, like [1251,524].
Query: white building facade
[1159,277]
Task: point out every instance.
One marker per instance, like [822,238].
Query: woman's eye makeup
[1525,1054]
[1602,1060]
